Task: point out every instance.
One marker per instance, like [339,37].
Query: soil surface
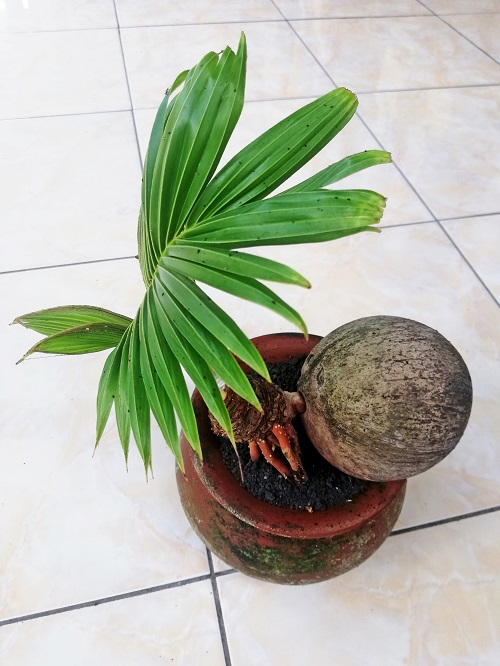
[326,485]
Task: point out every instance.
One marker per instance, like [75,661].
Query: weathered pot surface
[269,542]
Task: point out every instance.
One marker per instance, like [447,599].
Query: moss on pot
[387,397]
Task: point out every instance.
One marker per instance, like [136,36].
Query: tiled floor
[100,567]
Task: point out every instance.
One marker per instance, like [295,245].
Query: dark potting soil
[326,485]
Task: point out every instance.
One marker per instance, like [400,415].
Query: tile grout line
[461,86]
[236,22]
[440,17]
[218,609]
[202,24]
[325,71]
[75,263]
[452,241]
[446,521]
[213,575]
[254,101]
[128,84]
[106,600]
[99,261]
[410,184]
[64,115]
[466,217]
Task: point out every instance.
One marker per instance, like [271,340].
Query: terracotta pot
[272,543]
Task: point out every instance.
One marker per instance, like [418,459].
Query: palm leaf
[217,355]
[214,319]
[302,217]
[56,320]
[138,404]
[342,169]
[192,226]
[272,158]
[79,340]
[243,287]
[121,403]
[239,263]
[168,370]
[158,398]
[194,364]
[108,387]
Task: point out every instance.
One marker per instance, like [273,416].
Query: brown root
[269,429]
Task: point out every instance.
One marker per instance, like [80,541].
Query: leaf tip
[180,463]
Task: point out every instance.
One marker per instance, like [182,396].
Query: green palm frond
[192,227]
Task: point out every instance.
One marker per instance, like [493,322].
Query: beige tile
[74,71]
[76,526]
[17,16]
[298,9]
[446,143]
[427,597]
[479,239]
[403,205]
[398,53]
[74,189]
[462,6]
[411,271]
[173,626]
[279,65]
[151,12]
[481,29]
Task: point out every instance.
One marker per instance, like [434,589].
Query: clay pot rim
[225,488]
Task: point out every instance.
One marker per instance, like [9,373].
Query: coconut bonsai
[194,223]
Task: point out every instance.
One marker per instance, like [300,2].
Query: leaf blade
[298,217]
[138,405]
[218,322]
[197,368]
[342,169]
[55,320]
[106,391]
[159,401]
[246,288]
[273,157]
[121,399]
[239,263]
[217,356]
[170,375]
[203,117]
[85,339]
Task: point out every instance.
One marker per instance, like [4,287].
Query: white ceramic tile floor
[79,530]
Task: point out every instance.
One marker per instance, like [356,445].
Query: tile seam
[135,27]
[105,600]
[214,575]
[440,17]
[218,610]
[253,101]
[236,21]
[466,217]
[64,115]
[313,55]
[469,264]
[446,521]
[75,263]
[124,62]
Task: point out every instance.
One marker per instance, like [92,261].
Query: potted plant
[193,225]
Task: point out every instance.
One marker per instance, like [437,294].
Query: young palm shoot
[194,223]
